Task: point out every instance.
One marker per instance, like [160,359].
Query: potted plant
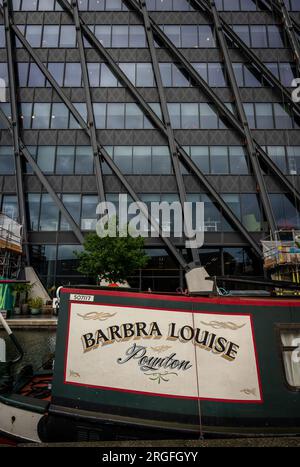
[35,305]
[21,292]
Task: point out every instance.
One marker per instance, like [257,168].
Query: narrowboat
[132,365]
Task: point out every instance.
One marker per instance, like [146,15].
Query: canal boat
[132,365]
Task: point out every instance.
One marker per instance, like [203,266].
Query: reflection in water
[37,344]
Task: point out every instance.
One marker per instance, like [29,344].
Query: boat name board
[206,355]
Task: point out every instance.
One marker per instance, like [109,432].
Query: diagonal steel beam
[15,128]
[90,111]
[43,179]
[166,119]
[251,56]
[289,29]
[243,119]
[228,213]
[274,6]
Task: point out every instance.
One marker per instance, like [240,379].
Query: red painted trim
[67,342]
[213,300]
[256,359]
[159,309]
[260,401]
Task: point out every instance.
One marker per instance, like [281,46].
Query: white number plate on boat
[82,298]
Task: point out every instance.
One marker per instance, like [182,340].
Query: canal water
[38,345]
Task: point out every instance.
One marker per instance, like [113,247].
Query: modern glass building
[162,99]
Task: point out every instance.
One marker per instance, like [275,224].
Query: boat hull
[240,390]
[143,366]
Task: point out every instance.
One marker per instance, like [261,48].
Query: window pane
[50,36]
[292,368]
[120,36]
[173,33]
[88,213]
[264,116]
[277,154]
[174,111]
[134,117]
[287,217]
[67,36]
[23,73]
[258,36]
[72,204]
[161,160]
[282,118]
[166,73]
[84,160]
[206,37]
[293,153]
[94,74]
[107,77]
[103,34]
[208,118]
[201,68]
[137,37]
[33,210]
[190,116]
[7,164]
[100,115]
[59,116]
[26,115]
[275,38]
[233,202]
[178,78]
[57,71]
[219,160]
[252,77]
[242,32]
[129,70]
[36,77]
[33,35]
[142,159]
[46,158]
[189,36]
[46,5]
[200,156]
[287,73]
[123,158]
[115,116]
[73,75]
[216,75]
[41,115]
[65,160]
[95,5]
[49,214]
[251,216]
[144,75]
[238,72]
[238,162]
[249,109]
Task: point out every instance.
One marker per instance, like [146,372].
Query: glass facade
[131,122]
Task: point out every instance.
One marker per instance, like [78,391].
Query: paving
[209,443]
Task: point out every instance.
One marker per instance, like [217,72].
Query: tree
[111,258]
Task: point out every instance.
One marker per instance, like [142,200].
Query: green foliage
[111,258]
[22,288]
[36,303]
